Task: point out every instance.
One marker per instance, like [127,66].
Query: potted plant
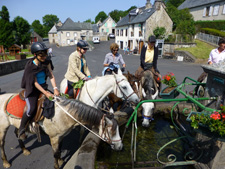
[170,91]
[215,121]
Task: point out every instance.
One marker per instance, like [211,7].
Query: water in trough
[149,141]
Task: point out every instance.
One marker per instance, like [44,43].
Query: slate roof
[196,3]
[69,25]
[53,30]
[134,17]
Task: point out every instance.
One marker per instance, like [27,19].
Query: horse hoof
[6,164]
[26,152]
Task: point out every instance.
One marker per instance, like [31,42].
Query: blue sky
[77,10]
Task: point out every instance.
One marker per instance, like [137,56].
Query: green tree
[89,21]
[22,30]
[4,13]
[175,3]
[159,32]
[6,29]
[48,22]
[101,16]
[117,14]
[38,28]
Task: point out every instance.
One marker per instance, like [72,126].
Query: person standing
[113,58]
[77,67]
[34,79]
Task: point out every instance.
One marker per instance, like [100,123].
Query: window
[67,34]
[68,41]
[206,11]
[75,34]
[223,9]
[126,32]
[105,24]
[117,32]
[121,32]
[216,10]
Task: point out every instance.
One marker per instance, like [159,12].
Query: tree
[6,29]
[22,30]
[38,27]
[117,14]
[48,22]
[89,21]
[4,14]
[159,32]
[101,16]
[175,3]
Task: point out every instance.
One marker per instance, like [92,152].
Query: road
[41,153]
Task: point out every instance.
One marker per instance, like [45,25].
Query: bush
[219,24]
[159,32]
[213,32]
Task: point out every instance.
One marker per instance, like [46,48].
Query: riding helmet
[38,46]
[82,44]
[152,39]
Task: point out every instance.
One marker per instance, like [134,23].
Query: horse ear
[108,121]
[120,72]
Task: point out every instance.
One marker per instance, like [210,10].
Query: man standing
[218,54]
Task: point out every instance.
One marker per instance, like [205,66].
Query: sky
[77,10]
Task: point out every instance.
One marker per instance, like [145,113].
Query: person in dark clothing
[34,79]
[148,60]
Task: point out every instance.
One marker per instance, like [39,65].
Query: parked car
[111,35]
[96,39]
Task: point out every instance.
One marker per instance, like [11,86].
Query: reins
[108,140]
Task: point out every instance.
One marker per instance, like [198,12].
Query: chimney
[148,5]
[158,4]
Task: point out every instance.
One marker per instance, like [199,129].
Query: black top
[155,57]
[29,74]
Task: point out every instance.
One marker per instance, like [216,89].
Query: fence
[208,38]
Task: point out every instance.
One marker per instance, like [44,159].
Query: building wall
[120,36]
[207,12]
[108,26]
[53,39]
[159,18]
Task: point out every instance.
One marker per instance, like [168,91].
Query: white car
[111,35]
[95,39]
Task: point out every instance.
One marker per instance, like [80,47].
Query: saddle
[16,106]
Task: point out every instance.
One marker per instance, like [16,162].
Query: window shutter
[204,11]
[210,10]
[224,9]
[216,10]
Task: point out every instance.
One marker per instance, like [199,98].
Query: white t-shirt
[215,56]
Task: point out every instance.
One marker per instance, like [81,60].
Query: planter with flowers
[214,122]
[170,91]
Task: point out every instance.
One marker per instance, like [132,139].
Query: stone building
[107,26]
[135,28]
[205,9]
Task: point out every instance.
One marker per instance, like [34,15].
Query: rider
[77,67]
[149,58]
[34,79]
[113,58]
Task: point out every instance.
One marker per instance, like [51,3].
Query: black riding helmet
[82,44]
[38,46]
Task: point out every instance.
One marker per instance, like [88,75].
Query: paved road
[42,157]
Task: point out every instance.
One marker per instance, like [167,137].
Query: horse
[94,91]
[61,124]
[149,91]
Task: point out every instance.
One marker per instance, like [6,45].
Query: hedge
[218,24]
[213,32]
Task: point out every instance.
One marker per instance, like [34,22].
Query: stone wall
[12,66]
[169,48]
[187,57]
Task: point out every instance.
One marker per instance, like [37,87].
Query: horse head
[123,88]
[109,131]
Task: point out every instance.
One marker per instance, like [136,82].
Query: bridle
[106,132]
[125,96]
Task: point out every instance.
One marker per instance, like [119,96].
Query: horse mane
[87,113]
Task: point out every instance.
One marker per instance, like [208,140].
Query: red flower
[215,116]
[168,78]
[171,74]
[223,115]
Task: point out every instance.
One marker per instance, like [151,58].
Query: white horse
[95,90]
[61,124]
[149,91]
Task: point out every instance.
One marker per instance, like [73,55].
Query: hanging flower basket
[169,93]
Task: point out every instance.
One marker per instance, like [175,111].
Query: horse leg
[56,152]
[6,164]
[22,146]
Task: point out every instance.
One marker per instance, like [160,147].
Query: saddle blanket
[15,106]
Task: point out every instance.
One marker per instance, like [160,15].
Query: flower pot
[169,93]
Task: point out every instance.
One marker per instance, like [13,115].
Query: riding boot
[21,133]
[160,89]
